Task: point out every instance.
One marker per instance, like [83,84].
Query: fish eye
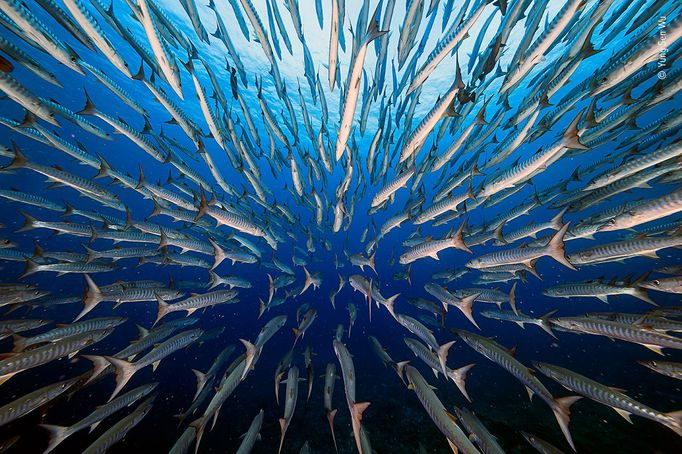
[612,221]
[656,282]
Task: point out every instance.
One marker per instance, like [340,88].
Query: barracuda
[554,249]
[653,340]
[609,396]
[458,376]
[350,98]
[596,289]
[497,354]
[195,302]
[68,346]
[622,250]
[385,193]
[648,211]
[443,420]
[95,324]
[521,319]
[59,433]
[40,33]
[348,374]
[537,163]
[452,38]
[478,433]
[543,43]
[119,430]
[125,369]
[165,60]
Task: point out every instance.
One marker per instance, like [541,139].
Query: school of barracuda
[476,139]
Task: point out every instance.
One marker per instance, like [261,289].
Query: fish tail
[218,254]
[675,421]
[163,239]
[358,409]
[571,137]
[443,355]
[400,367]
[157,208]
[390,302]
[29,222]
[532,270]
[203,204]
[458,239]
[250,356]
[93,296]
[162,309]
[278,380]
[214,279]
[19,161]
[297,333]
[308,278]
[99,365]
[502,4]
[330,417]
[642,294]
[31,267]
[199,425]
[140,181]
[373,31]
[201,382]
[4,378]
[261,307]
[283,430]
[89,108]
[562,413]
[498,235]
[57,435]
[18,343]
[124,372]
[371,263]
[465,305]
[90,252]
[140,73]
[558,220]
[512,299]
[546,325]
[29,121]
[555,248]
[458,376]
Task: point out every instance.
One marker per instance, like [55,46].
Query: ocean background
[395,421]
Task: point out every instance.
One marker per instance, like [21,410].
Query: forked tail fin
[562,413]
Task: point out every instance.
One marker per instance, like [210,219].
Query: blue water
[395,421]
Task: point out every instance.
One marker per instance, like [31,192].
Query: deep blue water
[395,421]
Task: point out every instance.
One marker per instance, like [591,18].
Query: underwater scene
[339,226]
